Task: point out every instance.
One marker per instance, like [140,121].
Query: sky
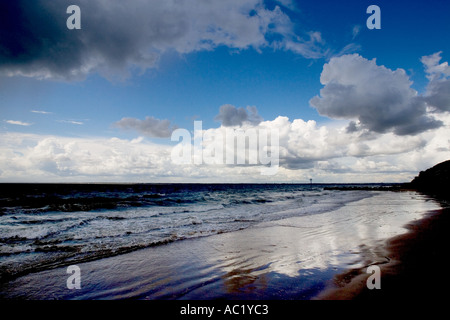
[350,104]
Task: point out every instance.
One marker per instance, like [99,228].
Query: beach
[305,257]
[415,270]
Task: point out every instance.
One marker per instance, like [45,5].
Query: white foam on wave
[109,231]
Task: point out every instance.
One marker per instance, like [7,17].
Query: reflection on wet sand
[287,259]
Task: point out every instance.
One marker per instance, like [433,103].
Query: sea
[46,226]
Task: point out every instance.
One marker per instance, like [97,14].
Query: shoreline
[289,259]
[413,269]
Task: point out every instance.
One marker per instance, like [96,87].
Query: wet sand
[291,259]
[416,270]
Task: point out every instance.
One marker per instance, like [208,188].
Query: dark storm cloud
[117,35]
[36,42]
[352,127]
[33,40]
[438,94]
[230,116]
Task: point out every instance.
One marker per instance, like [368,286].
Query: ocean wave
[92,222]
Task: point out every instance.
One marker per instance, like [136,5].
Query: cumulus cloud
[30,157]
[380,99]
[334,153]
[117,36]
[438,94]
[230,116]
[326,153]
[433,68]
[438,89]
[150,126]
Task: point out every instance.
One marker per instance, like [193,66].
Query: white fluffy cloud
[433,68]
[327,153]
[380,99]
[30,157]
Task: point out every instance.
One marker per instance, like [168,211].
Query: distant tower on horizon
[310,181]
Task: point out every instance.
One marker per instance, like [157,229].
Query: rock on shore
[434,180]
